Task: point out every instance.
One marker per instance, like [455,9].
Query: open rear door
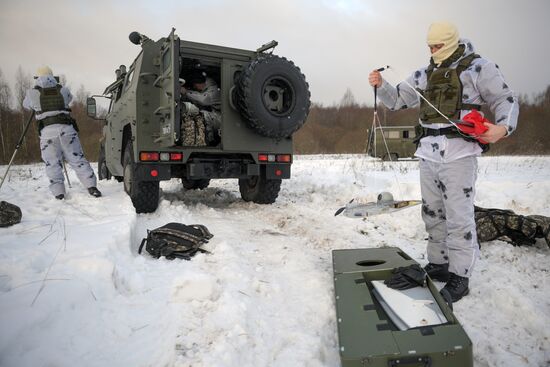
[168,84]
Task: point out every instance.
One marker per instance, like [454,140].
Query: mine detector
[264,100]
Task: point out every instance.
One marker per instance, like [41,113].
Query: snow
[74,290]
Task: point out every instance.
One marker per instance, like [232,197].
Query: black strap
[450,132]
[470,106]
[141,246]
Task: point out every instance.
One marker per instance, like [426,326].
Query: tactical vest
[444,90]
[51,99]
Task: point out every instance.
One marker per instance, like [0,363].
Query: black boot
[439,272]
[455,289]
[94,191]
[60,197]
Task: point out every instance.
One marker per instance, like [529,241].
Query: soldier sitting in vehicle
[201,116]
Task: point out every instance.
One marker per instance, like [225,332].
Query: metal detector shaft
[376,88]
[66,174]
[17,148]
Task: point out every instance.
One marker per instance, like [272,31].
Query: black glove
[407,277]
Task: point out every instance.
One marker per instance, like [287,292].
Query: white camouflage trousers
[448,191]
[61,141]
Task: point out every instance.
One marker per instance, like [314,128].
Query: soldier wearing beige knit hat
[456,81]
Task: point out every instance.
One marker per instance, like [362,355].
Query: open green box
[366,334]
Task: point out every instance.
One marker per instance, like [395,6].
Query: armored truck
[399,141]
[152,133]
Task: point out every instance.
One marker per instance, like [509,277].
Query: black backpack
[10,214]
[176,240]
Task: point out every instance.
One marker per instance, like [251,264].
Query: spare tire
[273,96]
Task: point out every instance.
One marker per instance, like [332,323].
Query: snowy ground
[74,291]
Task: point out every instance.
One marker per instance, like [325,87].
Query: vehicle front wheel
[102,170]
[260,190]
[144,194]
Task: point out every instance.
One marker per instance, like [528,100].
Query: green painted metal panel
[366,334]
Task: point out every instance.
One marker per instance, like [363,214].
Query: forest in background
[341,128]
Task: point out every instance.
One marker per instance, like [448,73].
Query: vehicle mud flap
[145,172]
[277,171]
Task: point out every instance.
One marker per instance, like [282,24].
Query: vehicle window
[129,78]
[394,134]
[165,60]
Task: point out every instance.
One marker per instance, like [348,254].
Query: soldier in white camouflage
[457,81]
[58,133]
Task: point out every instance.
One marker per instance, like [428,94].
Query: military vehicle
[264,100]
[400,141]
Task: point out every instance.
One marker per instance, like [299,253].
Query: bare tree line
[13,118]
[340,128]
[343,128]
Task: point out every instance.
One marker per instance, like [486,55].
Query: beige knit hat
[443,33]
[44,71]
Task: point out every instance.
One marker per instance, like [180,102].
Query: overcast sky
[336,43]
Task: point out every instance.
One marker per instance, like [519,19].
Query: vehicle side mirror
[91,108]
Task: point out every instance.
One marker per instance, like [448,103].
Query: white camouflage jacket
[209,97]
[482,82]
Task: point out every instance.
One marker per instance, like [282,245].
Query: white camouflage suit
[59,141]
[448,166]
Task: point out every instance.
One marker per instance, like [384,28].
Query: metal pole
[66,174]
[17,148]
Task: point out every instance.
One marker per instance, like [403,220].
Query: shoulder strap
[465,63]
[430,69]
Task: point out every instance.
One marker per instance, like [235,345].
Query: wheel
[102,170]
[259,190]
[273,96]
[189,184]
[144,194]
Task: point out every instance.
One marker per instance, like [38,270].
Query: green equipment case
[366,334]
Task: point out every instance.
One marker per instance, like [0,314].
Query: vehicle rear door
[169,89]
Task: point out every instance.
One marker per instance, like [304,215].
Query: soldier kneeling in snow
[58,134]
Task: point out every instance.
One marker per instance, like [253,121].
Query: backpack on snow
[10,214]
[176,240]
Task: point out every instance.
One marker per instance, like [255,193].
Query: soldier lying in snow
[519,230]
[201,117]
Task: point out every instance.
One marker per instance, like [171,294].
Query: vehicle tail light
[284,158]
[148,156]
[176,156]
[262,157]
